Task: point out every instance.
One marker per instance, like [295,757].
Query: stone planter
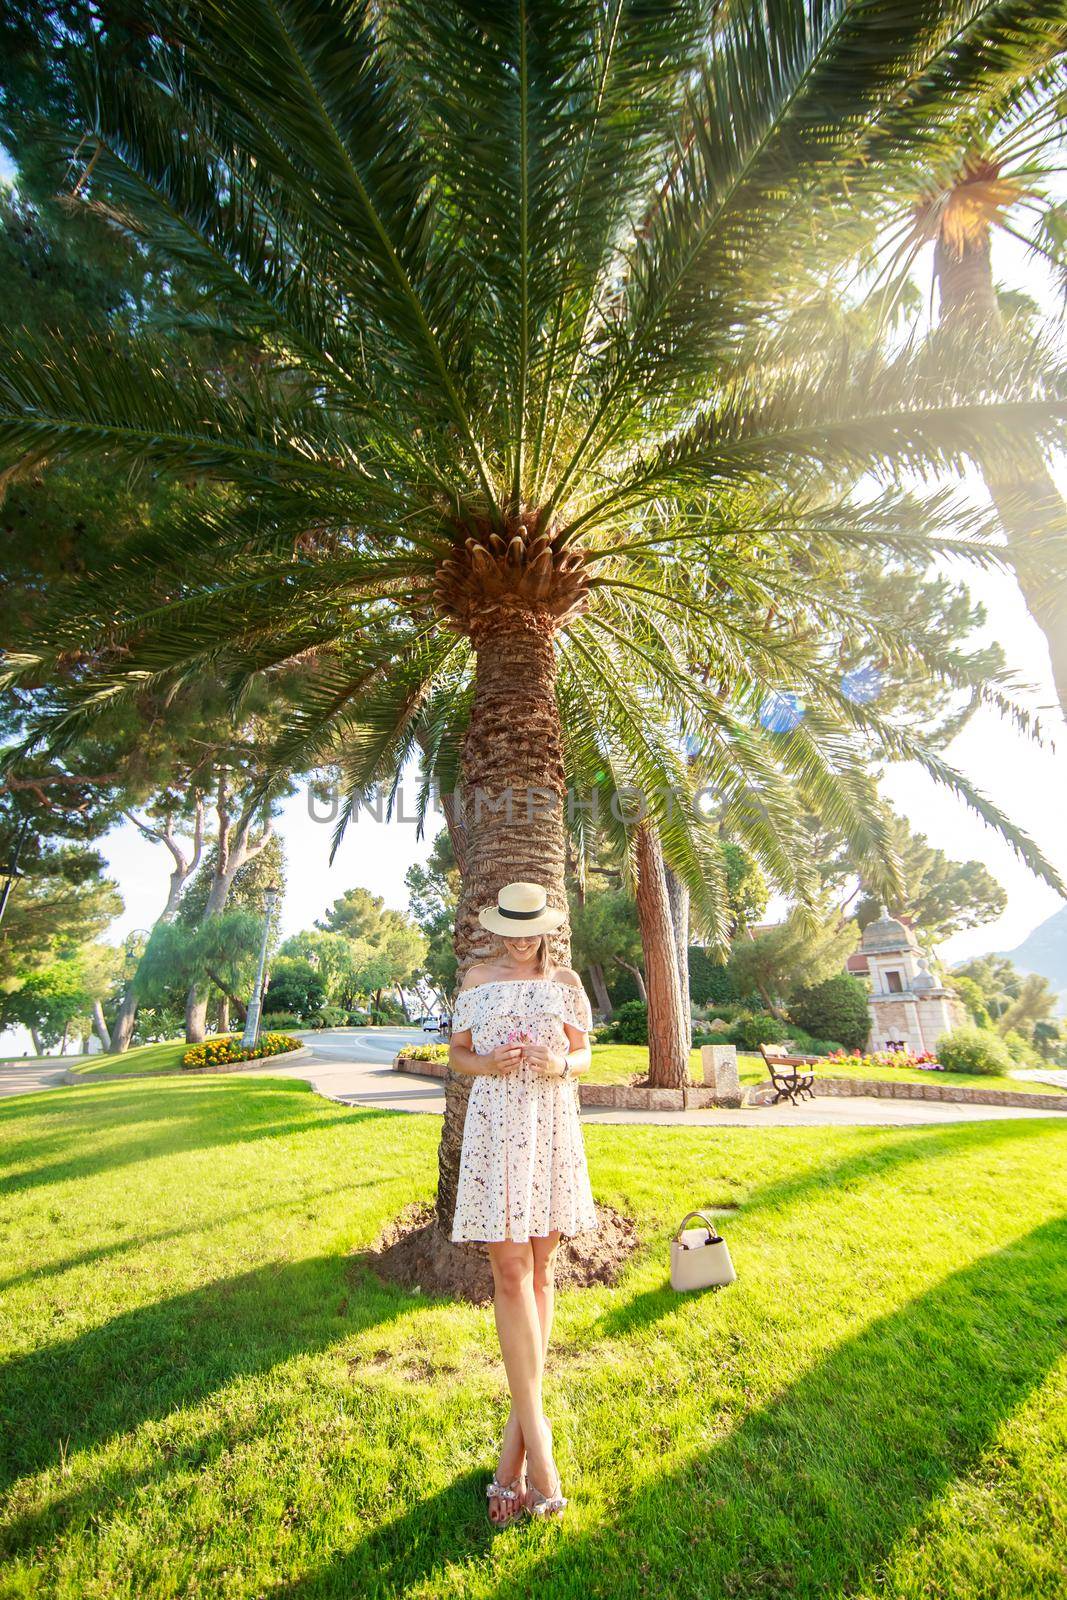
[422,1069]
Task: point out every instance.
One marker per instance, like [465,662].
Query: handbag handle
[713,1233]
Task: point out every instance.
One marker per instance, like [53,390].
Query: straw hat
[521,909]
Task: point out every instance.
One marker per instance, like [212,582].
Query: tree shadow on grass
[147,1363]
[168,1120]
[144,1238]
[442,1531]
[805,1497]
[639,1311]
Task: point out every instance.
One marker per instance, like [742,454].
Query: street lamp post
[250,1036]
[13,873]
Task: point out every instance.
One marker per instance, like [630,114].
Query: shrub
[804,1045]
[1021,1050]
[834,1009]
[328,1017]
[281,1021]
[358,1019]
[973,1050]
[631,1023]
[294,987]
[759,1027]
[725,1013]
[224,1052]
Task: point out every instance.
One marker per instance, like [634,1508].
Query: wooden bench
[789,1082]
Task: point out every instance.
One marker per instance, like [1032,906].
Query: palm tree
[998,182]
[995,175]
[515,435]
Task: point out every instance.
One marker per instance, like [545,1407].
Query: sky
[1027,780]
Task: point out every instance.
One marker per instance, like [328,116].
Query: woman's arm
[550,1062]
[464,1059]
[580,1055]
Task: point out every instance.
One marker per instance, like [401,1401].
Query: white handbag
[700,1257]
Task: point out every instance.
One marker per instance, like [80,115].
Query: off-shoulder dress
[522,1167]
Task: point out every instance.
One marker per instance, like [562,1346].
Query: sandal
[545,1505]
[507,1492]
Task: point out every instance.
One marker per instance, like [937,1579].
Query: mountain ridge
[1044,951]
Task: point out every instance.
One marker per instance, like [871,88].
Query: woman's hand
[549,1063]
[504,1059]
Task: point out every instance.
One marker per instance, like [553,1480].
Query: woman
[521,1030]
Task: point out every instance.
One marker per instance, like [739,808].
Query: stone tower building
[908,1005]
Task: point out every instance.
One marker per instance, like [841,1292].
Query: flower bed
[227,1052]
[887,1058]
[426,1052]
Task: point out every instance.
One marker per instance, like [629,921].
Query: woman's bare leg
[513,1444]
[544,1284]
[544,1288]
[518,1325]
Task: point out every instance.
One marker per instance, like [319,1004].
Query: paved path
[1042,1075]
[356,1065]
[29,1075]
[353,1065]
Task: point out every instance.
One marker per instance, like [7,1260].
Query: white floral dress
[522,1169]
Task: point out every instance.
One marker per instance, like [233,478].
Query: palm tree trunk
[668,1050]
[513,789]
[1029,505]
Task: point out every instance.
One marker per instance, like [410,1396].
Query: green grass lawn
[202,1393]
[143,1059]
[618,1063]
